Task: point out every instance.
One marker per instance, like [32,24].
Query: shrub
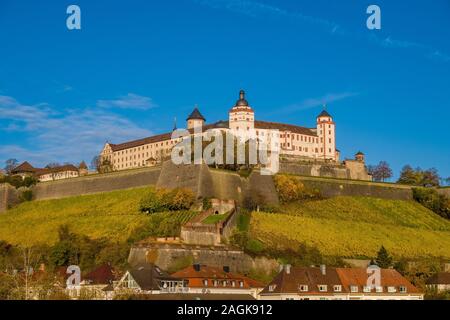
[432,200]
[26,195]
[167,200]
[206,203]
[290,189]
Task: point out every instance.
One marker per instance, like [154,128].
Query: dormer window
[272,287]
[403,289]
[392,289]
[303,288]
[379,289]
[367,289]
[353,289]
[323,288]
[337,288]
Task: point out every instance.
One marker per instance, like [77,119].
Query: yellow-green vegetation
[355,226]
[215,218]
[114,216]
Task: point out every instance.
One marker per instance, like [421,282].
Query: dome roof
[242,102]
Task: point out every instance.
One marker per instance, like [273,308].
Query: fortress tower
[242,116]
[326,131]
[195,119]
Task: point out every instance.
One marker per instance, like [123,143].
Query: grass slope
[114,216]
[356,226]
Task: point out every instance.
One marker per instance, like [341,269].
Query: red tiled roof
[24,167]
[289,283]
[298,276]
[211,274]
[284,127]
[102,275]
[68,167]
[389,278]
[440,278]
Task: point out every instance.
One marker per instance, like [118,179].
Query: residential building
[439,282]
[67,171]
[149,279]
[202,279]
[324,283]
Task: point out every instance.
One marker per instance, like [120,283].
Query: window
[323,288]
[303,288]
[337,288]
[272,287]
[353,289]
[403,289]
[367,289]
[392,289]
[215,282]
[379,289]
[241,284]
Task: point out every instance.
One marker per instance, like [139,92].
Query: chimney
[226,269]
[197,267]
[323,269]
[288,269]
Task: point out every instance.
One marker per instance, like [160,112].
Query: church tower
[242,116]
[326,130]
[195,119]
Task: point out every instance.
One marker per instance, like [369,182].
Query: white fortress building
[317,143]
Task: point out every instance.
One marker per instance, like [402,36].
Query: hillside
[114,216]
[355,226]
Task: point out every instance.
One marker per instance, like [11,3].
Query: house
[439,282]
[202,279]
[324,283]
[392,286]
[24,170]
[298,283]
[149,279]
[57,173]
[49,174]
[98,284]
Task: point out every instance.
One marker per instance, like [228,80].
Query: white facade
[317,143]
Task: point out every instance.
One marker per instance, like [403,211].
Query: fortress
[317,143]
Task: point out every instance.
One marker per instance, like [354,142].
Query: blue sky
[136,65]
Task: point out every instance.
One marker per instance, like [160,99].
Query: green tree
[408,176]
[383,260]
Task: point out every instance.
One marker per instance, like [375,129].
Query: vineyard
[352,227]
[114,216]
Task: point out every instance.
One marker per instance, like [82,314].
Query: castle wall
[315,170]
[228,185]
[229,225]
[96,184]
[9,196]
[192,235]
[333,188]
[194,177]
[262,189]
[357,170]
[164,255]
